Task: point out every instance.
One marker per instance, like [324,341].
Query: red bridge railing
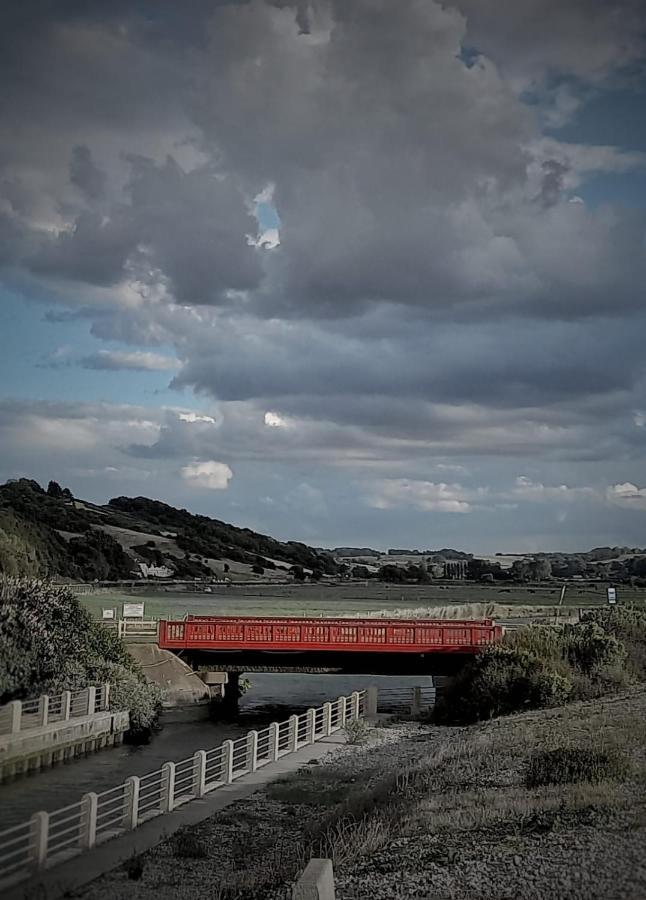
[351,635]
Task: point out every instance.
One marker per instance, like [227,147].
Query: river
[272,697]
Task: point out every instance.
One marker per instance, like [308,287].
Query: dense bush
[501,680]
[567,765]
[50,643]
[541,666]
[627,625]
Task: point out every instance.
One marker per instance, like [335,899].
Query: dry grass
[478,611]
[476,782]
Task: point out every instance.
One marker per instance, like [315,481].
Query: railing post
[199,770]
[15,716]
[327,719]
[274,739]
[39,826]
[91,700]
[227,762]
[66,705]
[416,703]
[355,700]
[372,700]
[310,733]
[106,696]
[252,751]
[131,815]
[342,711]
[43,709]
[168,787]
[293,734]
[87,837]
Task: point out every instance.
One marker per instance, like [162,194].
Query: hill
[51,533]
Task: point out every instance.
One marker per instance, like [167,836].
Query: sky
[351,272]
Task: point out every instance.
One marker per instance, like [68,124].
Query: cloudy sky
[346,271]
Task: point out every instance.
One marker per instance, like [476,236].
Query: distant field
[345,599]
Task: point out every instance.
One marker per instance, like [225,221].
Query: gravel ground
[469,828]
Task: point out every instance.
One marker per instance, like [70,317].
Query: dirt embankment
[430,812]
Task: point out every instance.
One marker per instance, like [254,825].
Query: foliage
[501,680]
[50,643]
[357,731]
[541,666]
[627,625]
[186,844]
[213,538]
[568,765]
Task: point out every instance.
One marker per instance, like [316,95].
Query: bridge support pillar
[230,696]
[442,684]
[372,700]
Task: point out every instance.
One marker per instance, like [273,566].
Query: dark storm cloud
[440,290]
[86,175]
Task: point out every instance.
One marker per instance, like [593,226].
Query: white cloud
[273,420]
[137,360]
[526,489]
[209,474]
[196,417]
[425,495]
[627,495]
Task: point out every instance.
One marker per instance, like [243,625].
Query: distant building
[455,569]
[154,571]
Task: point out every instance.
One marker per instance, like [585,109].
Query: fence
[50,838]
[21,715]
[411,699]
[137,628]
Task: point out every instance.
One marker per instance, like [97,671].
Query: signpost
[108,613]
[612,595]
[133,610]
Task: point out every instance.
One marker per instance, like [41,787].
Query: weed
[187,845]
[357,731]
[568,765]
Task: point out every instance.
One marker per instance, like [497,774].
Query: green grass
[345,599]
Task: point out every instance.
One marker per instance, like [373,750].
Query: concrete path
[69,876]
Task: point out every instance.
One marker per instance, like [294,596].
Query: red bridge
[351,645]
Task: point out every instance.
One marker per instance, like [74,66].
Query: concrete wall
[186,696]
[38,747]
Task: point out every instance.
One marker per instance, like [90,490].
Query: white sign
[133,610]
[108,613]
[612,595]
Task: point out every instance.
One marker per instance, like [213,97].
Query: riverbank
[425,811]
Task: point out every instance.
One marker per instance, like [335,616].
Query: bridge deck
[350,635]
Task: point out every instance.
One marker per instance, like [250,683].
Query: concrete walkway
[69,876]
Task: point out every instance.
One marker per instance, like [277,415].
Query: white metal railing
[21,715]
[412,699]
[49,838]
[137,627]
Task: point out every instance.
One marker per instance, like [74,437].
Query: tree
[298,573]
[55,490]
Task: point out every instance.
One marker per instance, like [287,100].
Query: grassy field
[350,598]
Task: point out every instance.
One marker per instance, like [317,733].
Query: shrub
[186,845]
[591,649]
[501,680]
[627,625]
[356,731]
[50,643]
[568,765]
